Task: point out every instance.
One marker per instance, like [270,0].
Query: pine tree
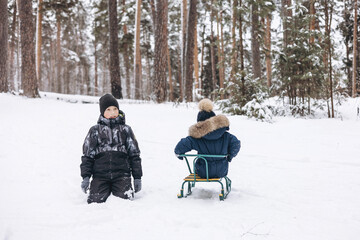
[161,36]
[3,46]
[114,50]
[28,72]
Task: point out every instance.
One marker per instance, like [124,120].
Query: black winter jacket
[110,150]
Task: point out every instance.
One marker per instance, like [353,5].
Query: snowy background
[293,178]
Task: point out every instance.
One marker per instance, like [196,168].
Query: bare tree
[28,72]
[161,45]
[114,50]
[3,46]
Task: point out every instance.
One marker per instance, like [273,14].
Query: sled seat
[193,178]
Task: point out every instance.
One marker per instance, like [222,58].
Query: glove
[177,155]
[228,158]
[137,185]
[85,184]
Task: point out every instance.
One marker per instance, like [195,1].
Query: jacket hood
[113,121]
[211,128]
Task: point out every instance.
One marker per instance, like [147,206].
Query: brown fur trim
[202,128]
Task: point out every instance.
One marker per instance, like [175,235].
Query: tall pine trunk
[160,64]
[28,71]
[328,18]
[354,90]
[233,40]
[171,87]
[3,46]
[137,63]
[255,43]
[268,50]
[114,66]
[212,51]
[196,56]
[184,21]
[39,42]
[189,50]
[241,51]
[127,64]
[12,50]
[58,54]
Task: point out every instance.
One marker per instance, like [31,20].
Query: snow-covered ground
[293,179]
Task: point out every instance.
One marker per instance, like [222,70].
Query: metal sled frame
[194,178]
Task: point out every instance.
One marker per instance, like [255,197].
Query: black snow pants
[100,189]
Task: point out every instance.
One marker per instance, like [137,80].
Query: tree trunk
[28,71]
[96,77]
[39,43]
[233,41]
[241,46]
[202,58]
[161,34]
[189,50]
[58,54]
[127,64]
[212,51]
[183,46]
[3,46]
[312,21]
[114,65]
[196,56]
[222,58]
[268,50]
[354,91]
[255,44]
[171,87]
[286,13]
[12,50]
[137,59]
[327,57]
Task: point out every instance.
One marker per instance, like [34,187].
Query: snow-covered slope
[293,179]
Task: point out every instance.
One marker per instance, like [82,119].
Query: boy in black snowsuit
[110,155]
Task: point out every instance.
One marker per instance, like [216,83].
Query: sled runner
[194,178]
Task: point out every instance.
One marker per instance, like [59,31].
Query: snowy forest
[240,53]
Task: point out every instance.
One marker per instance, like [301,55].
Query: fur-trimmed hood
[200,129]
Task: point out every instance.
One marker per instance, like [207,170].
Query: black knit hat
[206,107]
[106,101]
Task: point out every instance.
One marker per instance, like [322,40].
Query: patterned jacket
[211,137]
[110,150]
